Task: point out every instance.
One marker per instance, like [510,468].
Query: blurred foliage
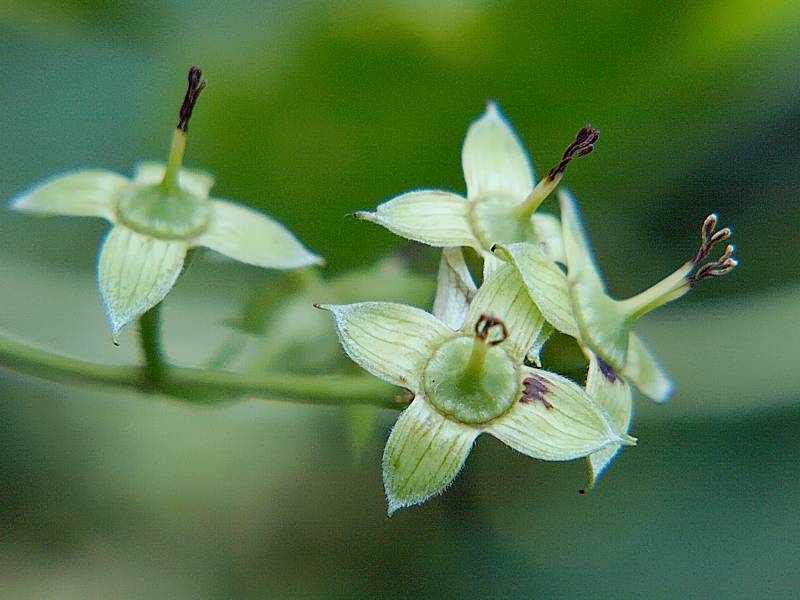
[317,109]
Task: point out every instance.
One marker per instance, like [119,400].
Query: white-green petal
[135,272]
[391,341]
[196,182]
[581,265]
[494,160]
[535,351]
[254,238]
[432,217]
[454,289]
[424,453]
[79,194]
[646,372]
[491,263]
[612,393]
[505,297]
[547,231]
[546,284]
[555,419]
[604,323]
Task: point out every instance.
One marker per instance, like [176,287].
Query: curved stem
[150,341]
[198,385]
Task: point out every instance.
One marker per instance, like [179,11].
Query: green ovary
[174,214]
[470,397]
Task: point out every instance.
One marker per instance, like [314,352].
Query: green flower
[605,324]
[576,304]
[467,381]
[157,217]
[501,195]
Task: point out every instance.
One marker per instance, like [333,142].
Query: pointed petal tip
[393,506]
[322,306]
[315,260]
[625,440]
[17,202]
[365,215]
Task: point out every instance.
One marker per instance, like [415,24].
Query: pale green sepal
[646,372]
[79,194]
[193,181]
[494,160]
[581,266]
[555,419]
[547,232]
[424,453]
[546,284]
[612,393]
[454,289]
[604,323]
[135,272]
[254,238]
[505,297]
[491,263]
[391,341]
[432,217]
[534,355]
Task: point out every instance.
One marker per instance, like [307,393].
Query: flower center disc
[467,397]
[172,215]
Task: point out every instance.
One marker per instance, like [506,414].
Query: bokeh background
[315,109]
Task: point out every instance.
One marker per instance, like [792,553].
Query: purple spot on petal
[534,390]
[607,370]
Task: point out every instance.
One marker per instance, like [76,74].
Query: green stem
[198,385]
[155,371]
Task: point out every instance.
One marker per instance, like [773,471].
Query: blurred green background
[315,109]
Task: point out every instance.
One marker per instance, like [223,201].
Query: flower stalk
[155,369]
[201,386]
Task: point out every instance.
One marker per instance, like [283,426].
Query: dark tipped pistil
[583,145]
[196,85]
[710,238]
[485,324]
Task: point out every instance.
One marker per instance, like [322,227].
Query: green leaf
[424,453]
[79,194]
